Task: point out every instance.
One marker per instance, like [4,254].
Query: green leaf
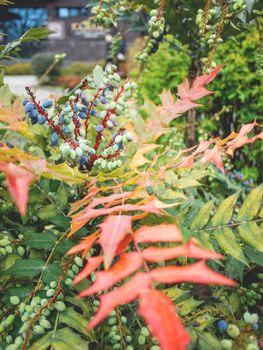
[76,321]
[35,34]
[44,240]
[225,211]
[254,256]
[62,196]
[251,205]
[204,322]
[63,339]
[227,242]
[208,341]
[187,306]
[185,183]
[48,212]
[51,273]
[26,268]
[21,292]
[175,293]
[5,95]
[252,235]
[203,216]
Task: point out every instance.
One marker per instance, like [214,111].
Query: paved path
[17,86]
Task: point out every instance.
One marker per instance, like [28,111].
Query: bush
[42,61]
[19,69]
[79,68]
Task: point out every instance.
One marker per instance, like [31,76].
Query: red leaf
[187,162]
[18,180]
[113,231]
[86,244]
[194,273]
[214,156]
[128,263]
[189,250]
[93,213]
[160,314]
[160,233]
[122,295]
[92,264]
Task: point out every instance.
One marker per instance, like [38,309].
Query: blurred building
[67,19]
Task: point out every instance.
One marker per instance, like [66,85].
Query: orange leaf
[187,162]
[189,250]
[160,314]
[214,156]
[92,264]
[120,296]
[194,273]
[113,231]
[86,244]
[160,233]
[18,180]
[127,264]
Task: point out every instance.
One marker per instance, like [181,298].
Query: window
[22,19]
[67,12]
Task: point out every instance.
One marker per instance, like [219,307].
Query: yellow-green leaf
[252,235]
[228,243]
[203,216]
[251,205]
[225,210]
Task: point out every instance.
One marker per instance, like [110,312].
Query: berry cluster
[115,46]
[251,295]
[7,247]
[73,271]
[80,126]
[105,13]
[156,30]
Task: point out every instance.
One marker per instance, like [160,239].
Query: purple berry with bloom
[34,114]
[25,101]
[41,120]
[93,113]
[29,107]
[82,115]
[99,128]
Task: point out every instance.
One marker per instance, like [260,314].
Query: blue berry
[255,326]
[41,120]
[54,139]
[66,130]
[25,101]
[29,107]
[99,128]
[84,109]
[93,113]
[103,100]
[47,104]
[95,103]
[34,120]
[75,116]
[222,325]
[34,114]
[61,119]
[82,115]
[83,160]
[75,108]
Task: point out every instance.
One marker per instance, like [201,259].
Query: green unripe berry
[233,331]
[112,105]
[53,284]
[9,320]
[116,346]
[112,321]
[9,249]
[155,347]
[14,300]
[21,251]
[156,34]
[45,324]
[227,344]
[124,319]
[141,339]
[18,340]
[252,346]
[50,293]
[145,331]
[154,13]
[128,339]
[78,261]
[11,347]
[129,347]
[75,268]
[9,339]
[60,306]
[68,281]
[70,274]
[4,242]
[38,330]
